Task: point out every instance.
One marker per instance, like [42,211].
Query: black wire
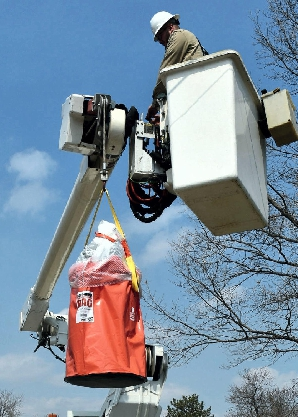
[143,204]
[45,343]
[53,353]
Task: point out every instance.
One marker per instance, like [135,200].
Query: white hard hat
[159,19]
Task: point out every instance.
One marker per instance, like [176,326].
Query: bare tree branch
[258,396]
[239,291]
[9,404]
[276,37]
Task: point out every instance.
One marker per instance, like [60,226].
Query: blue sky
[50,50]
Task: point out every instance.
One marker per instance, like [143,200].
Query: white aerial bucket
[218,153]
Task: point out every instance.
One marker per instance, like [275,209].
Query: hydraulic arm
[96,128]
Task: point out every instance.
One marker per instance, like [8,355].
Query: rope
[94,216]
[129,259]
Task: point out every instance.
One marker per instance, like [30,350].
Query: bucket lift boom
[94,127]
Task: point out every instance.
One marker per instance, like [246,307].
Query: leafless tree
[9,404]
[238,290]
[258,396]
[276,35]
[241,290]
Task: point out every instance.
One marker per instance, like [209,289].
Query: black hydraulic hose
[143,204]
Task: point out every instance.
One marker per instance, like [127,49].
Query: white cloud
[168,219]
[282,379]
[19,367]
[64,311]
[171,391]
[31,165]
[59,405]
[32,198]
[29,370]
[156,249]
[162,231]
[30,195]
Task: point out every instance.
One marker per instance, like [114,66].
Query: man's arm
[174,54]
[182,46]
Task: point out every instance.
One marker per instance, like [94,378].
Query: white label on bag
[132,314]
[85,307]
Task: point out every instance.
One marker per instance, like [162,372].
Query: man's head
[162,25]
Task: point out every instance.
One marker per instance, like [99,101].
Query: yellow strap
[130,262]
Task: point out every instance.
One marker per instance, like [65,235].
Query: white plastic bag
[102,262]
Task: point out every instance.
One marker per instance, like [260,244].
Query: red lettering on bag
[84,301]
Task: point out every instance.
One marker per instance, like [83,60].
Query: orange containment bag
[106,342]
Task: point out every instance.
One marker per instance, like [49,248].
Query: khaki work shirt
[182,46]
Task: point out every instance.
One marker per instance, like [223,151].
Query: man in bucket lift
[180,46]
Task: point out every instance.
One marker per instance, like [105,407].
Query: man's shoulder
[183,34]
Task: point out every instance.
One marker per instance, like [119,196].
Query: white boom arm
[80,204]
[94,169]
[141,400]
